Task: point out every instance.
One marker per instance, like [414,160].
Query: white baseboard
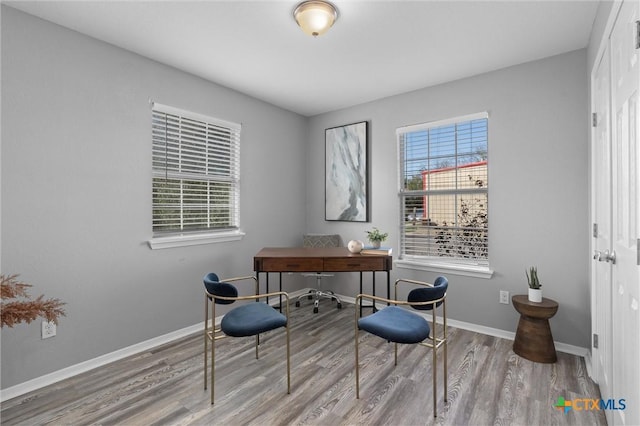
[74,370]
[510,335]
[495,332]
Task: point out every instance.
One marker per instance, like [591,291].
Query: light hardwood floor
[488,383]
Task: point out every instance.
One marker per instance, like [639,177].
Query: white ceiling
[374,50]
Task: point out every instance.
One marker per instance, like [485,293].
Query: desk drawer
[301,264]
[369,263]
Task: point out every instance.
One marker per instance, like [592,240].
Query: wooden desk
[533,338]
[319,259]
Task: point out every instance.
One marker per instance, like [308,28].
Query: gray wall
[538,186]
[76,180]
[76,192]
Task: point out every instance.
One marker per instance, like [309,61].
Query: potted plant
[17,306]
[535,292]
[375,236]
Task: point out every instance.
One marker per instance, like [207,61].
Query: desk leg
[360,293]
[258,292]
[374,291]
[258,281]
[280,306]
[267,290]
[389,287]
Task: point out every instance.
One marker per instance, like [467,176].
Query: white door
[601,208]
[625,79]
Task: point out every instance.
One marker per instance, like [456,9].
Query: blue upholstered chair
[399,325]
[249,319]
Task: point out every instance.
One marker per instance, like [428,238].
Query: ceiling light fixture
[315,17]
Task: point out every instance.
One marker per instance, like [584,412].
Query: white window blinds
[196,172]
[444,190]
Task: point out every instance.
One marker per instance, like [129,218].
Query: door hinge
[637,34]
[594,119]
[595,340]
[595,230]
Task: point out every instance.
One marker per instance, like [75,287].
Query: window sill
[468,270]
[186,240]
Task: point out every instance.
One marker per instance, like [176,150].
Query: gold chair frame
[211,330]
[435,340]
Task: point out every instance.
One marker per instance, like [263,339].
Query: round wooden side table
[533,338]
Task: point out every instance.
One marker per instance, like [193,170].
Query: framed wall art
[346,173]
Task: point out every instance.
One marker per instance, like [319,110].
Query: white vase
[375,244]
[355,246]
[535,295]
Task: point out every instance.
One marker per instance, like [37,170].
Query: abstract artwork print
[346,179]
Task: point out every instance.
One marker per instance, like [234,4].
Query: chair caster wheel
[339,305]
[297,303]
[315,310]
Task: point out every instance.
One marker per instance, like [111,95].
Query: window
[195,173]
[444,191]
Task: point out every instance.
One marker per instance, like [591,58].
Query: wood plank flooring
[488,383]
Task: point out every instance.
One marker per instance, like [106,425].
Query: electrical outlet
[504,297]
[48,329]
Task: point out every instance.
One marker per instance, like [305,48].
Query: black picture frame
[347,173]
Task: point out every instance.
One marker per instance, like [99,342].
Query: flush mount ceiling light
[315,17]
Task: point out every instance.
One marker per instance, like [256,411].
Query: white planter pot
[535,295]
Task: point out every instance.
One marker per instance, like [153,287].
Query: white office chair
[319,240]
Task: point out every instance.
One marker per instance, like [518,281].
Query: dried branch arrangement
[25,309]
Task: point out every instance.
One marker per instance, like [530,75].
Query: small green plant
[532,278]
[376,235]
